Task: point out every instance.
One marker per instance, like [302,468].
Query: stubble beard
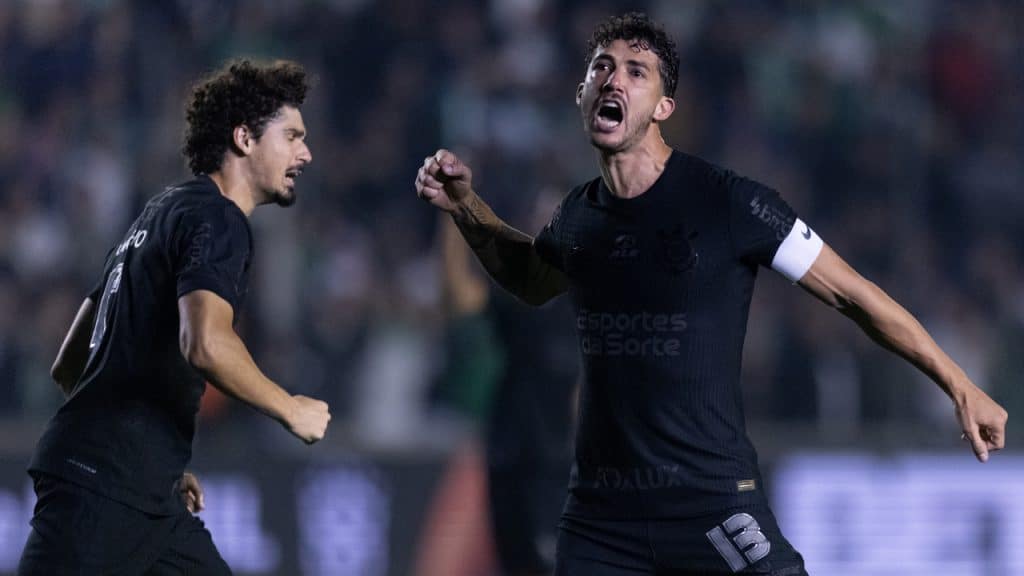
[284,199]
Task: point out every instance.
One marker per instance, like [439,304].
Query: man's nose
[612,82]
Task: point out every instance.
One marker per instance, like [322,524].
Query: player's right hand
[444,180]
[983,421]
[308,418]
[191,492]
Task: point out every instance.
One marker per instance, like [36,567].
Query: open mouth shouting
[610,114]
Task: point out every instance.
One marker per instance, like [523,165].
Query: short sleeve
[765,230]
[548,243]
[97,288]
[211,250]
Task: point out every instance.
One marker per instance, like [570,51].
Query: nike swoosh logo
[807,232]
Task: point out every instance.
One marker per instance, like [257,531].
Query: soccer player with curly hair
[112,493]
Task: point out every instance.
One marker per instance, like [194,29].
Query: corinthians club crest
[677,252]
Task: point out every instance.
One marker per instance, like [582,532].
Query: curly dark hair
[637,26]
[239,93]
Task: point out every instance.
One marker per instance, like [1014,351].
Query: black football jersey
[661,285]
[126,429]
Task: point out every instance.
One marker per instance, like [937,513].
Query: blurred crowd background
[894,128]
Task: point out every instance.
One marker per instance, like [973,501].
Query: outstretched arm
[74,352]
[209,343]
[835,283]
[507,254]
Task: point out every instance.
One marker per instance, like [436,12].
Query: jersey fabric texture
[126,430]
[661,285]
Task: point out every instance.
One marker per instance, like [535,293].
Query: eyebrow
[296,131]
[630,62]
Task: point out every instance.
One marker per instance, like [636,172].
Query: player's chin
[285,197]
[606,142]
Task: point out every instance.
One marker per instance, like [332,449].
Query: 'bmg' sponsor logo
[637,334]
[773,217]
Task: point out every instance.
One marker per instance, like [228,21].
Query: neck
[630,173]
[235,186]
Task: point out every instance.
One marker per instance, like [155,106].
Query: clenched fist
[308,418]
[444,180]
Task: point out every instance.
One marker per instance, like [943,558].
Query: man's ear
[242,138]
[664,108]
[579,94]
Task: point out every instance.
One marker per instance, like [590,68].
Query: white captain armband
[797,252]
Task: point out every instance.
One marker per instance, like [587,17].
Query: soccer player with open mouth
[659,255]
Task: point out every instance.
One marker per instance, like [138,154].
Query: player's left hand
[982,420]
[191,492]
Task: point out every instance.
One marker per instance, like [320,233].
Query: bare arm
[835,283]
[74,352]
[466,293]
[209,343]
[507,254]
